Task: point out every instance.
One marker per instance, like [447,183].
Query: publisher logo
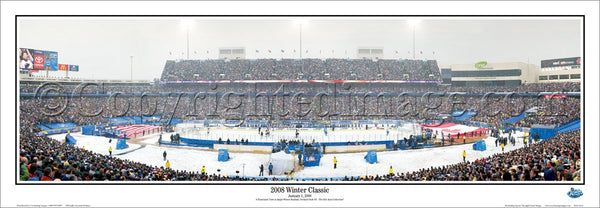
[574,193]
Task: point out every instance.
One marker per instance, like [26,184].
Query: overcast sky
[102,46]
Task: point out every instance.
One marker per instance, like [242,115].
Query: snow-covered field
[349,164]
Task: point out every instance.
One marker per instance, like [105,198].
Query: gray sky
[102,46]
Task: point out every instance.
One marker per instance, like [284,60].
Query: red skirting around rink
[454,129]
[138,130]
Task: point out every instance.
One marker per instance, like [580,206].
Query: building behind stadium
[483,74]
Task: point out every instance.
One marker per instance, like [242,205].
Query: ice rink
[148,151]
[337,135]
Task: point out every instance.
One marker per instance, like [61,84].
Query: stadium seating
[296,69]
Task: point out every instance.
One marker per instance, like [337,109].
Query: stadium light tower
[187,24]
[413,23]
[300,22]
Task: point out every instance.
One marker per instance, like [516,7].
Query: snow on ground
[349,164]
[95,143]
[354,164]
[180,158]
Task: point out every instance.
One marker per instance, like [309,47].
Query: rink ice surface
[349,164]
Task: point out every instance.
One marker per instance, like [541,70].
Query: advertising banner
[63,67]
[25,59]
[73,67]
[51,60]
[38,59]
[555,96]
[561,62]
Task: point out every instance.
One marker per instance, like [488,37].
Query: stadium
[363,118]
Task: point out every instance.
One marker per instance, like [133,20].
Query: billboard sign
[63,67]
[574,61]
[73,67]
[25,59]
[482,65]
[51,60]
[38,59]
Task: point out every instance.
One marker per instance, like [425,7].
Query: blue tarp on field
[223,155]
[121,144]
[70,140]
[88,130]
[371,156]
[44,128]
[574,125]
[198,142]
[545,133]
[479,145]
[514,119]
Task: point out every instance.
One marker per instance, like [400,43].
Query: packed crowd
[295,69]
[540,110]
[303,87]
